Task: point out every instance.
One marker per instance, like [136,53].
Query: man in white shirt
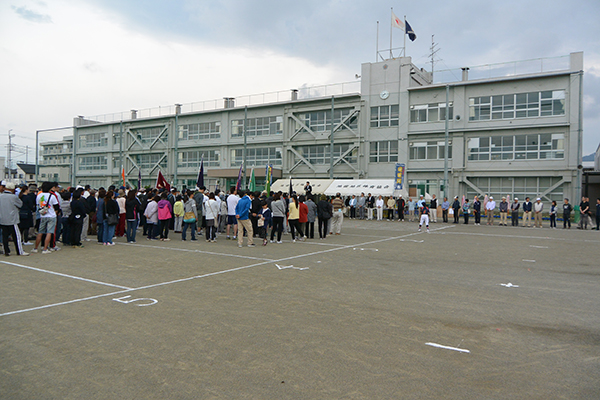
[47,205]
[232,201]
[489,208]
[538,207]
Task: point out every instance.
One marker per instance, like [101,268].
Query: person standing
[466,210]
[553,212]
[489,208]
[411,209]
[370,205]
[9,219]
[294,219]
[264,221]
[232,221]
[100,215]
[242,211]
[212,216]
[338,216]
[189,209]
[503,207]
[132,209]
[352,203]
[311,217]
[514,208]
[111,218]
[199,200]
[307,188]
[424,219]
[178,212]
[538,207]
[78,214]
[379,206]
[47,205]
[165,213]
[391,203]
[567,208]
[584,206]
[26,214]
[324,213]
[433,204]
[303,214]
[151,216]
[278,215]
[456,209]
[477,210]
[121,200]
[598,214]
[400,204]
[527,207]
[445,207]
[361,203]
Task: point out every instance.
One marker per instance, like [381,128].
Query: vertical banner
[268,178]
[399,181]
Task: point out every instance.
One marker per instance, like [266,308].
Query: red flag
[161,182]
[123,174]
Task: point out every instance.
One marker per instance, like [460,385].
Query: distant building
[25,173]
[512,131]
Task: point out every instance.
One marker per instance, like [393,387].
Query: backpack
[164,213]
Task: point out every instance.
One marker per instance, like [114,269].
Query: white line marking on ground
[290,266]
[216,273]
[508,285]
[447,347]
[66,276]
[197,251]
[529,260]
[519,237]
[538,247]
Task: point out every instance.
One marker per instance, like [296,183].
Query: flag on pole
[252,184]
[238,185]
[139,179]
[462,201]
[291,187]
[200,179]
[409,31]
[123,174]
[397,22]
[161,182]
[268,178]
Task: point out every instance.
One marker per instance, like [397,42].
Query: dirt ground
[362,315]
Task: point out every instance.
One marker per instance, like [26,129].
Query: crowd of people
[77,215]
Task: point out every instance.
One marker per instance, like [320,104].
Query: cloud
[31,15]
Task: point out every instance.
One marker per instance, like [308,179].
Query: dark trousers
[66,231]
[7,231]
[254,221]
[401,215]
[567,220]
[466,217]
[310,230]
[553,221]
[100,232]
[76,228]
[277,227]
[192,226]
[211,229]
[164,228]
[352,212]
[131,230]
[143,224]
[456,216]
[323,222]
[295,226]
[477,215]
[445,215]
[515,218]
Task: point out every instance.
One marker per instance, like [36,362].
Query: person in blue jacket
[242,211]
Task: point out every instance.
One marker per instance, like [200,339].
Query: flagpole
[392,13]
[404,50]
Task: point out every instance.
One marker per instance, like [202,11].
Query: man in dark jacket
[255,210]
[91,211]
[400,203]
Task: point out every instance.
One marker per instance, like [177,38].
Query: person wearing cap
[527,207]
[514,208]
[9,219]
[538,207]
[456,209]
[424,218]
[477,210]
[489,209]
[503,207]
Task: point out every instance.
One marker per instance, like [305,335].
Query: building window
[203,130]
[320,121]
[521,105]
[321,154]
[257,156]
[192,159]
[385,151]
[147,135]
[93,140]
[430,150]
[433,112]
[384,116]
[149,161]
[260,126]
[518,147]
[93,163]
[519,187]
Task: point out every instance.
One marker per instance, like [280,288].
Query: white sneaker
[55,249]
[239,245]
[24,254]
[419,229]
[279,242]
[46,252]
[27,244]
[34,250]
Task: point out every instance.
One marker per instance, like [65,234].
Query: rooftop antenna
[432,53]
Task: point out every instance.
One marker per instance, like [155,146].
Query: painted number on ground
[127,300]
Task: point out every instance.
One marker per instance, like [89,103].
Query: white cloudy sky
[63,58]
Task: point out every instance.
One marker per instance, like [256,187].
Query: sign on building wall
[399,179]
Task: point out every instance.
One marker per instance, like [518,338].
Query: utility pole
[432,52]
[10,136]
[331,148]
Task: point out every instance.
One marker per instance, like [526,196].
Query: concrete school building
[514,129]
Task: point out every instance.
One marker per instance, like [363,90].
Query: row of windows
[321,154]
[145,161]
[192,159]
[384,151]
[320,121]
[521,105]
[147,135]
[202,130]
[93,140]
[517,147]
[260,126]
[93,163]
[384,116]
[257,156]
[433,112]
[430,150]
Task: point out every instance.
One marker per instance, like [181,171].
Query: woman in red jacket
[303,208]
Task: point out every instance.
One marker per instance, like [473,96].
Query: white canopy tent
[318,185]
[349,187]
